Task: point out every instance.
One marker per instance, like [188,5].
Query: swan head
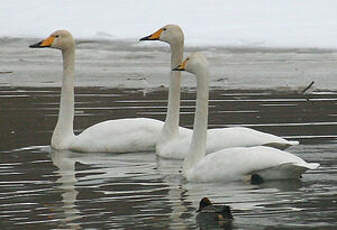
[60,39]
[170,34]
[195,63]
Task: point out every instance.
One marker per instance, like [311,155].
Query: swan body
[237,163]
[232,163]
[177,147]
[123,135]
[174,142]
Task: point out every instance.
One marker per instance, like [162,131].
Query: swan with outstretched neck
[122,135]
[232,163]
[173,141]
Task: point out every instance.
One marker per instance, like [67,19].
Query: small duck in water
[211,215]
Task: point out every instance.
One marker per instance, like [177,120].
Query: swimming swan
[123,135]
[231,163]
[174,143]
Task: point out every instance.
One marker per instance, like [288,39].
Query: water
[45,189]
[253,87]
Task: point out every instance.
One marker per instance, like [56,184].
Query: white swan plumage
[232,163]
[173,141]
[123,135]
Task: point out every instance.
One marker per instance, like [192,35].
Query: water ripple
[41,188]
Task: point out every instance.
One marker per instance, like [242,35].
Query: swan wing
[119,136]
[218,139]
[285,171]
[236,163]
[243,137]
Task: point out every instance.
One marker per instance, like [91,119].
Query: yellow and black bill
[182,66]
[152,37]
[44,43]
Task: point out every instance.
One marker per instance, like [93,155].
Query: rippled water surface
[45,189]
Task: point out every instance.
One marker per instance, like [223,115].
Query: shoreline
[125,64]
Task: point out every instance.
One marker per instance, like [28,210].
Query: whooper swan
[232,163]
[119,136]
[173,142]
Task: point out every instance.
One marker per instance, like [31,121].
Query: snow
[239,23]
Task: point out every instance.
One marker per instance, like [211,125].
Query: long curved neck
[64,127]
[199,137]
[173,107]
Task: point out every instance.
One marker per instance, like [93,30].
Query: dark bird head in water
[204,203]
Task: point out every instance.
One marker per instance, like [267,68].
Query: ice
[239,23]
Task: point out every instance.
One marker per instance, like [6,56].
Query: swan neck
[68,56]
[199,137]
[64,126]
[177,53]
[171,126]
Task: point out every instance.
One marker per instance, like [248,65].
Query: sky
[238,23]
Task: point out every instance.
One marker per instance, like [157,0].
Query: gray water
[45,189]
[42,188]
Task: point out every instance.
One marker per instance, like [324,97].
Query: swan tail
[308,165]
[281,146]
[285,171]
[292,143]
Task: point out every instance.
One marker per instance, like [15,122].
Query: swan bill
[182,66]
[154,36]
[44,43]
[179,68]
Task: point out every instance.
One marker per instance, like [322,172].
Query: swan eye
[164,29]
[56,36]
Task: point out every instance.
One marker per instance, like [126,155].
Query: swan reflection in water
[178,200]
[66,184]
[245,199]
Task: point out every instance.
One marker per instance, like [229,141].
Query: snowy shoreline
[125,64]
[232,23]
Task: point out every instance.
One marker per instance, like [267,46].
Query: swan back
[235,163]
